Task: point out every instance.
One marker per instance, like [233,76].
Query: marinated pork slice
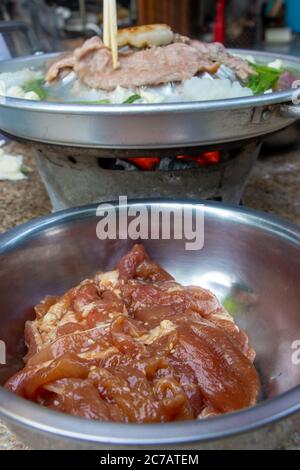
[134,346]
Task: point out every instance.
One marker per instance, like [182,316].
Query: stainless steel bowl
[251,257]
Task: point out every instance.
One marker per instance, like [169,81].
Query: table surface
[273,187]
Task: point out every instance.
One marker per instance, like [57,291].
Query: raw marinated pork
[133,345]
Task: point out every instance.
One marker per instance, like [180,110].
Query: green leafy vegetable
[266,78]
[233,305]
[25,169]
[132,99]
[37,86]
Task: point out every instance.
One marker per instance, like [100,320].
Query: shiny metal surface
[253,257]
[291,111]
[145,126]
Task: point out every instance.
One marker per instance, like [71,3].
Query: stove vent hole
[106,163]
[215,199]
[114,164]
[72,160]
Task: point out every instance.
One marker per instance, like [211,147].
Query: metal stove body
[75,177]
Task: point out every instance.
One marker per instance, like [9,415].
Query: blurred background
[271,24]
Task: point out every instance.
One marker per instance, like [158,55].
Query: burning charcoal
[125,165]
[173,164]
[165,164]
[187,164]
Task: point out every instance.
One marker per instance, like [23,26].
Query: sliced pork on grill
[133,345]
[154,66]
[177,59]
[62,66]
[217,53]
[173,63]
[288,80]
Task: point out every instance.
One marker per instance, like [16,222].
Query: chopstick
[110,29]
[106,28]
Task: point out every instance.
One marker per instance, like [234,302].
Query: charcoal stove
[81,148]
[75,177]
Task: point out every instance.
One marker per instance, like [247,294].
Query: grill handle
[291,111]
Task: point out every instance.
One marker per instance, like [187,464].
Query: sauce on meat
[135,346]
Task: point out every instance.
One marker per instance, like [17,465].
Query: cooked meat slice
[181,39]
[174,62]
[287,80]
[169,58]
[146,36]
[60,67]
[67,62]
[155,66]
[91,45]
[217,52]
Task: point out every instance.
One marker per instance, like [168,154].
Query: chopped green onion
[36,86]
[266,78]
[132,99]
[25,169]
[233,306]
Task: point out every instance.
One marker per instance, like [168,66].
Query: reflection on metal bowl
[250,260]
